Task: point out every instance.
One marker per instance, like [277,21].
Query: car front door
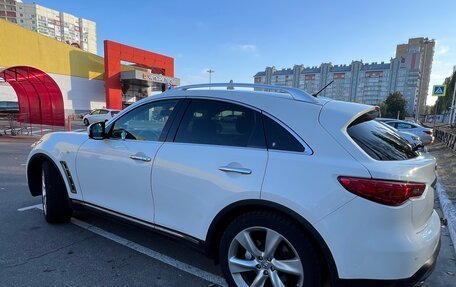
[103,116]
[93,117]
[115,173]
[218,156]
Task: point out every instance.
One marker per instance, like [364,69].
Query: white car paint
[99,115]
[412,139]
[182,188]
[416,129]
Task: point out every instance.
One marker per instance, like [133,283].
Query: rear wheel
[267,249]
[55,201]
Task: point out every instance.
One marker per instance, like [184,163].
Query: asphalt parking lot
[98,251]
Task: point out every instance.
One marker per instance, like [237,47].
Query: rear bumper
[427,140]
[380,245]
[419,276]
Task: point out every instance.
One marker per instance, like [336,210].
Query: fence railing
[16,124]
[446,137]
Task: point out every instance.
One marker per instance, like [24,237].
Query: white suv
[282,188]
[99,115]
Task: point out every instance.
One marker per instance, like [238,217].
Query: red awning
[39,97]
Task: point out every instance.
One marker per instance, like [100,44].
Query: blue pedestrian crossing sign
[439,90]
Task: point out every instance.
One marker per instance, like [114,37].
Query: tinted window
[221,123]
[393,124]
[278,138]
[380,142]
[404,126]
[144,123]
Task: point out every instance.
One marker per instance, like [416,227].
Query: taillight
[429,132]
[387,192]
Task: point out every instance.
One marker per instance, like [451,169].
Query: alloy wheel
[259,256]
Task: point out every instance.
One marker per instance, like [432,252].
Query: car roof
[266,98]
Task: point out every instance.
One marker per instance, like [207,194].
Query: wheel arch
[234,210]
[34,172]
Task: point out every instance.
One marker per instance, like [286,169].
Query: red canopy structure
[39,97]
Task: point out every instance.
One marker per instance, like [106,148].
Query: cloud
[248,48]
[193,79]
[442,50]
[196,76]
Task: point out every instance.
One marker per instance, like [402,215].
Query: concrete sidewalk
[445,203]
[446,168]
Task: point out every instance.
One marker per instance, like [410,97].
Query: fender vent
[69,177]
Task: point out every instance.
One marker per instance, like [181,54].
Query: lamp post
[210,71]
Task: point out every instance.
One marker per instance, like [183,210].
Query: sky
[237,39]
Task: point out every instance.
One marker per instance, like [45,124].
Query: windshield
[380,142]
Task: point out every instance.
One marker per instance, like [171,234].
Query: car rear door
[115,173]
[218,156]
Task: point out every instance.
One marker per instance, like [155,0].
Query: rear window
[379,142]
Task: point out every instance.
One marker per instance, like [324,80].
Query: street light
[210,71]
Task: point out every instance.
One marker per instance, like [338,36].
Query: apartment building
[64,27]
[368,83]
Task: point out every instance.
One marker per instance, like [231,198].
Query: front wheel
[268,249]
[54,197]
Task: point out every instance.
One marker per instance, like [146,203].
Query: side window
[103,112]
[403,126]
[221,123]
[95,112]
[278,138]
[393,124]
[146,122]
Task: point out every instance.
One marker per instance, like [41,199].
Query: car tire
[289,256]
[55,201]
[86,122]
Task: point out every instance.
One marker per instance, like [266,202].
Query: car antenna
[316,94]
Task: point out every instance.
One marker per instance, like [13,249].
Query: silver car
[425,134]
[412,139]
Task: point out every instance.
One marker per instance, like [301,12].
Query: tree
[395,103]
[383,109]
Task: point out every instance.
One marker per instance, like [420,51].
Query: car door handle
[235,169]
[138,157]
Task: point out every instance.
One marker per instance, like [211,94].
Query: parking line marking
[218,280]
[37,206]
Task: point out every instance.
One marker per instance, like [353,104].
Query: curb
[449,211]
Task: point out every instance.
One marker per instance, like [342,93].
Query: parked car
[412,139]
[293,189]
[383,120]
[425,134]
[99,115]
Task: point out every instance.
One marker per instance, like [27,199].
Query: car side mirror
[97,131]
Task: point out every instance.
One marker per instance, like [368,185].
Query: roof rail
[296,94]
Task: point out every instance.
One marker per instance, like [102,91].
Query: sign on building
[439,90]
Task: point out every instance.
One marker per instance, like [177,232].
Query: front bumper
[417,278]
